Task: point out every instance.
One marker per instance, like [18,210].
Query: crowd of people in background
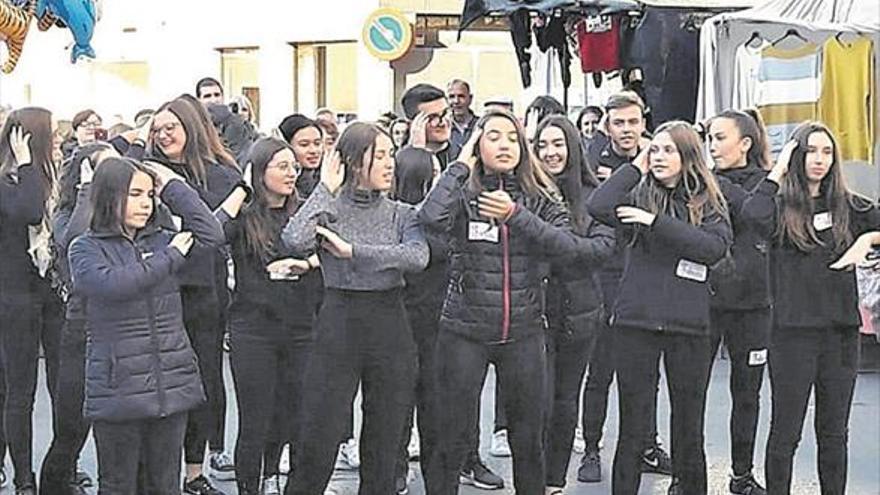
[397,260]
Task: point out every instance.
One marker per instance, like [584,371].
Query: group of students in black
[406,272]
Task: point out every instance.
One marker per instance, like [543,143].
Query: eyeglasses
[287,167]
[91,124]
[435,119]
[168,129]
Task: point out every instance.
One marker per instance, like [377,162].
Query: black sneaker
[675,488]
[590,470]
[746,485]
[200,486]
[656,460]
[476,474]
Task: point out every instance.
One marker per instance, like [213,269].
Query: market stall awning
[474,9]
[820,15]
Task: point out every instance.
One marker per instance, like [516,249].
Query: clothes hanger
[840,38]
[791,33]
[756,36]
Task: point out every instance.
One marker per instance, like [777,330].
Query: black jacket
[270,308]
[495,288]
[742,281]
[806,293]
[139,362]
[665,279]
[22,204]
[574,302]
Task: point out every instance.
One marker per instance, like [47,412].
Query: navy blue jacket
[665,278]
[139,361]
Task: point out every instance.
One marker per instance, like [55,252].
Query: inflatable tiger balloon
[14,24]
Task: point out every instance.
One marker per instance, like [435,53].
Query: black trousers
[35,319]
[268,375]
[201,316]
[686,359]
[147,450]
[69,428]
[746,334]
[360,337]
[803,360]
[566,363]
[462,364]
[594,406]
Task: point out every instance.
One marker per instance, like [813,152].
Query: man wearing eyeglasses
[425,106]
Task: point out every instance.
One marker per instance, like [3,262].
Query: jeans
[268,375]
[521,368]
[745,334]
[360,337]
[686,359]
[149,449]
[201,316]
[69,428]
[803,360]
[36,318]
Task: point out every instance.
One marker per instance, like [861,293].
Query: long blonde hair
[702,192]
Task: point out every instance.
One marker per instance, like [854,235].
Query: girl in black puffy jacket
[811,219]
[502,215]
[677,228]
[574,299]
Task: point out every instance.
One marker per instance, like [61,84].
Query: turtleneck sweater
[386,238]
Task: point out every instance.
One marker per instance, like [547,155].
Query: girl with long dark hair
[30,309]
[367,243]
[677,227]
[181,141]
[812,219]
[270,316]
[142,376]
[574,306]
[741,286]
[502,214]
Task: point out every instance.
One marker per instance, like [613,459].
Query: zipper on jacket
[505,278]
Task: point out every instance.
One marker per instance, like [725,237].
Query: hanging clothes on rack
[521,34]
[789,86]
[847,104]
[599,43]
[552,35]
[747,62]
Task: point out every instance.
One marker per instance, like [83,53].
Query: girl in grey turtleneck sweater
[367,242]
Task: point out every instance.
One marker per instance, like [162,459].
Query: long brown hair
[355,143]
[701,190]
[37,122]
[258,228]
[197,150]
[795,223]
[220,153]
[532,178]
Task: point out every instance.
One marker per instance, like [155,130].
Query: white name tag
[692,271]
[822,221]
[757,358]
[282,276]
[146,255]
[482,231]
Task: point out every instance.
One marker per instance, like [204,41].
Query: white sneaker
[272,485]
[500,447]
[579,445]
[349,457]
[284,461]
[413,448]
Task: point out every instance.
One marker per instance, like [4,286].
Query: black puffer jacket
[665,279]
[742,282]
[495,293]
[139,362]
[574,295]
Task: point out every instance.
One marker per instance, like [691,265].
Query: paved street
[864,467]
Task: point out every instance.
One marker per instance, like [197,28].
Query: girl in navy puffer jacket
[141,373]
